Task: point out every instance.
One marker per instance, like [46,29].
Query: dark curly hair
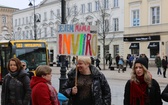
[18,64]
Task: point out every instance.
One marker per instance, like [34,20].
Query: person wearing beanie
[142,89]
[24,64]
[142,61]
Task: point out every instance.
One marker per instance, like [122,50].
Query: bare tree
[104,16]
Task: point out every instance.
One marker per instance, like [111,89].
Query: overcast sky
[21,4]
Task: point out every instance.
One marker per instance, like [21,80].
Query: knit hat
[24,61]
[142,61]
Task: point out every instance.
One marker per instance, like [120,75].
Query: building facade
[108,15]
[6,23]
[146,28]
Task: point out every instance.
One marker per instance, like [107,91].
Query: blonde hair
[43,70]
[85,59]
[147,75]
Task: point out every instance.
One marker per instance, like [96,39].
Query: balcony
[160,28]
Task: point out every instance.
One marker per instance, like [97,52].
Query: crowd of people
[86,84]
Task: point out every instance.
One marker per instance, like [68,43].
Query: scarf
[138,91]
[53,95]
[14,74]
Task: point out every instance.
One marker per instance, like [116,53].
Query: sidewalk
[113,74]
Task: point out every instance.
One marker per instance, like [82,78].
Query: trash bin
[62,99]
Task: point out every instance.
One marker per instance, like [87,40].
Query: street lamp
[63,78]
[35,31]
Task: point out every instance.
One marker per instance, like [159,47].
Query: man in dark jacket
[165,94]
[158,63]
[88,86]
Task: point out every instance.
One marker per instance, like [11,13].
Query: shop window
[135,51]
[153,52]
[154,49]
[116,50]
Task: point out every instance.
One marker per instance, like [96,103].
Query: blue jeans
[159,71]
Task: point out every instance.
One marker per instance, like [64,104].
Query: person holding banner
[86,85]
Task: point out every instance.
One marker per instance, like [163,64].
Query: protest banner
[78,40]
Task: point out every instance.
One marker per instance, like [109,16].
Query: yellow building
[146,28]
[6,23]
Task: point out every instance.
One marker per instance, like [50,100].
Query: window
[116,25]
[154,48]
[90,23]
[4,20]
[97,6]
[68,11]
[83,8]
[135,51]
[135,20]
[97,22]
[75,10]
[26,20]
[45,16]
[23,22]
[58,13]
[51,14]
[30,19]
[52,31]
[15,22]
[31,35]
[27,34]
[89,7]
[106,49]
[106,4]
[153,52]
[39,33]
[155,15]
[106,25]
[19,21]
[115,3]
[45,32]
[116,50]
[82,23]
[23,35]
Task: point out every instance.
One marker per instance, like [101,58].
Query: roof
[2,6]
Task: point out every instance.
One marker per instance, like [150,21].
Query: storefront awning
[153,45]
[134,46]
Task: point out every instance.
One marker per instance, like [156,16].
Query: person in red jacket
[43,93]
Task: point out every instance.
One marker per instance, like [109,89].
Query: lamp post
[35,31]
[63,78]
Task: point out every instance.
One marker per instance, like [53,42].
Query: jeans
[159,71]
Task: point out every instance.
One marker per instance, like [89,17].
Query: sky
[21,4]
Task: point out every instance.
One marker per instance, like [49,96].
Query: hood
[35,80]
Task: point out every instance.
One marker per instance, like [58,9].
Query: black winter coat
[153,92]
[165,94]
[101,93]
[164,63]
[21,84]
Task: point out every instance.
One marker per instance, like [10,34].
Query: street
[115,81]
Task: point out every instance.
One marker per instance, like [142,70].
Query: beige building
[6,27]
[146,28]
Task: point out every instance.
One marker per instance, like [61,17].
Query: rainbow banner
[77,40]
